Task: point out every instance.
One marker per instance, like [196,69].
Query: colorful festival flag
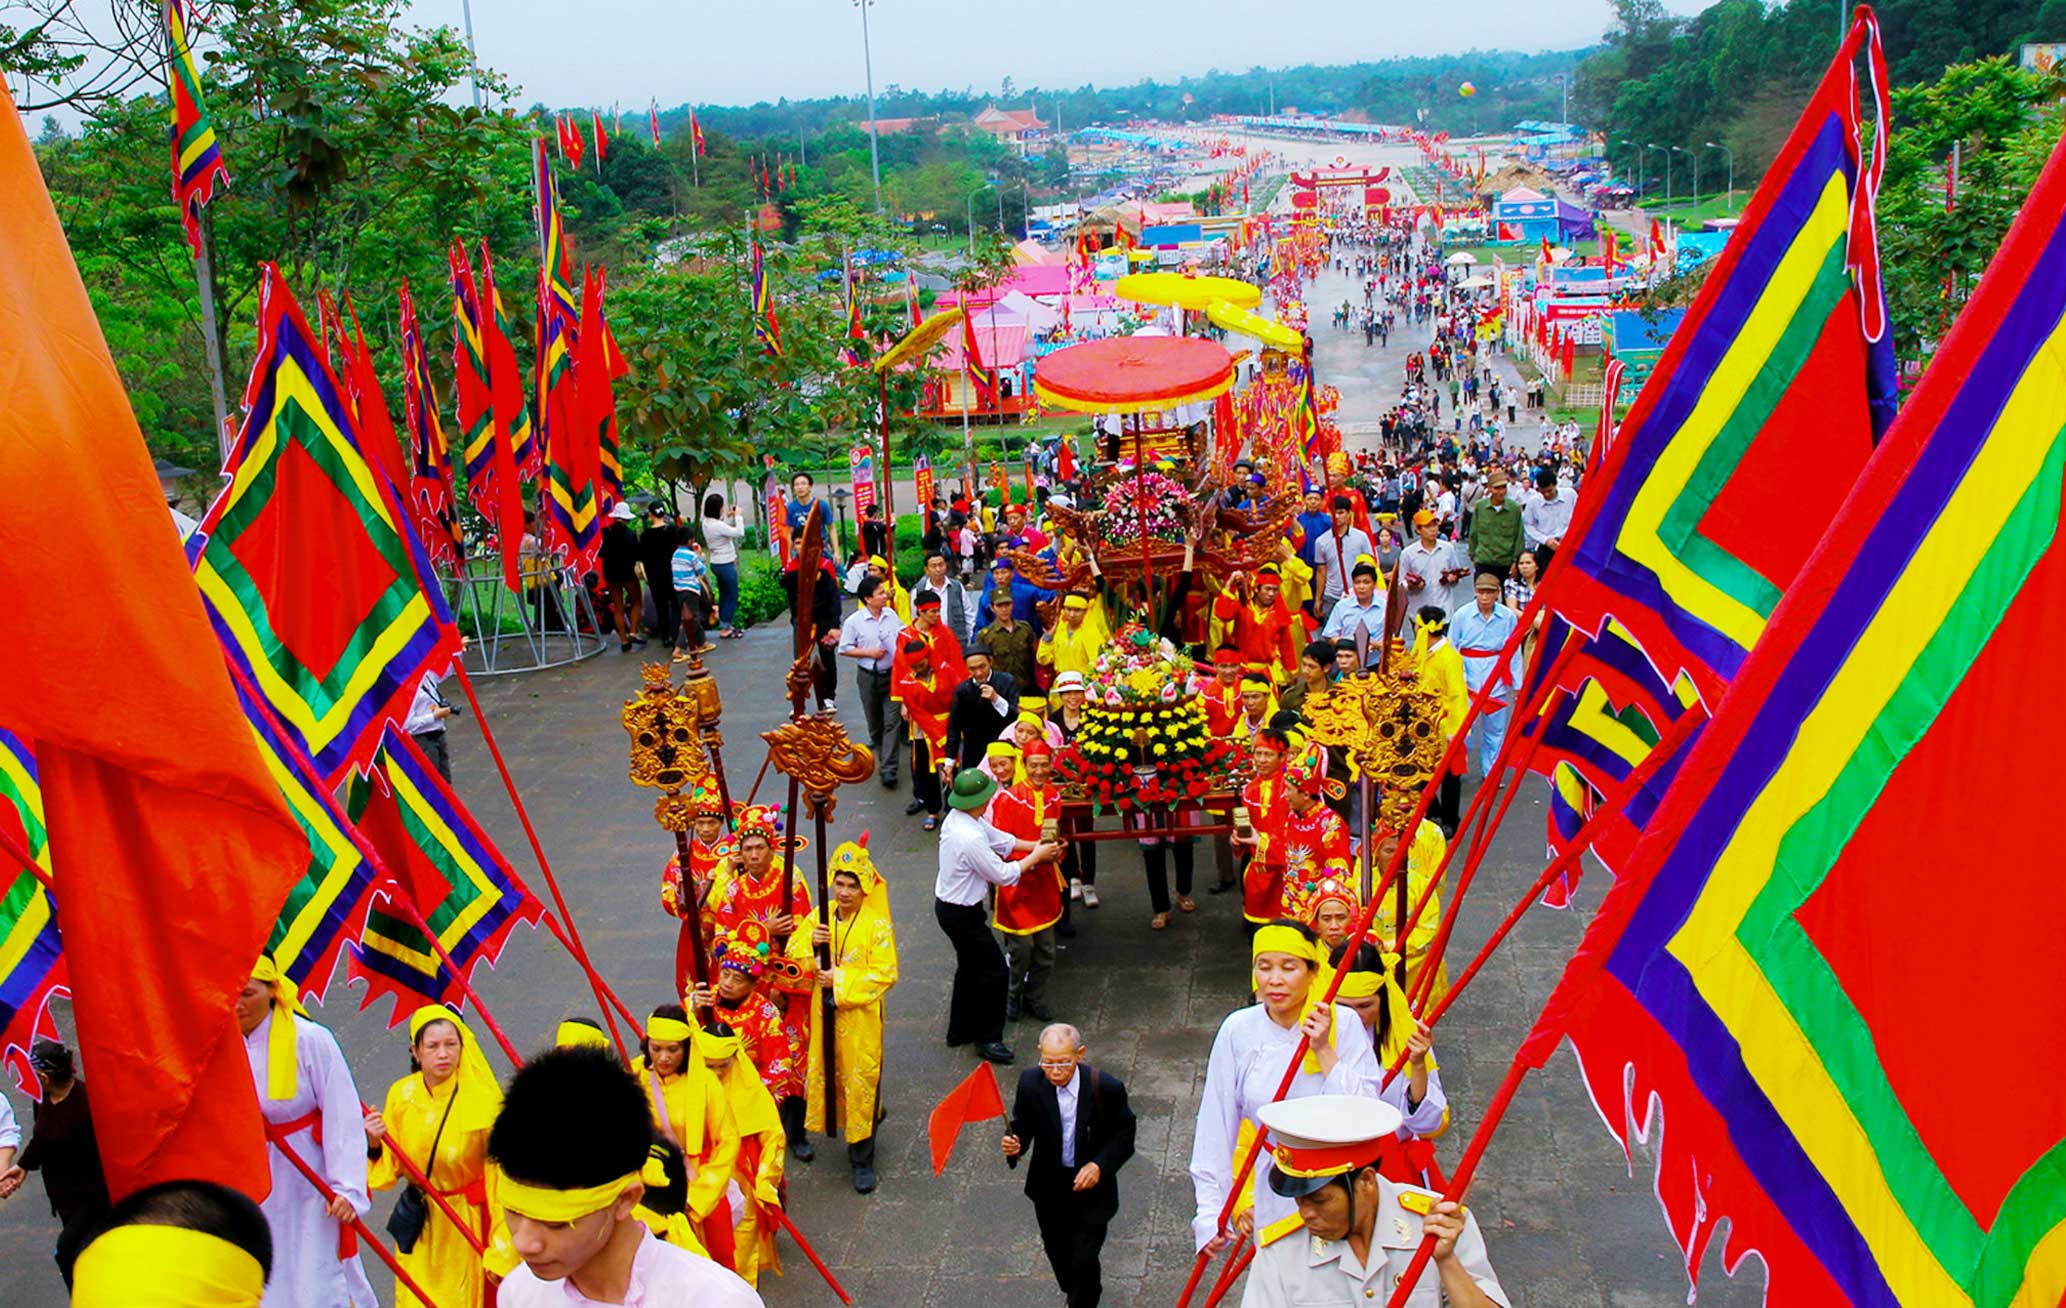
[506,378]
[326,906]
[431,497]
[31,964]
[197,166]
[771,497]
[982,377]
[322,596]
[1755,422]
[439,857]
[766,330]
[492,486]
[368,404]
[599,364]
[861,474]
[573,518]
[176,850]
[922,482]
[1758,965]
[653,120]
[696,134]
[602,140]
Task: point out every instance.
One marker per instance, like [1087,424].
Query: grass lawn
[1517,253]
[1689,214]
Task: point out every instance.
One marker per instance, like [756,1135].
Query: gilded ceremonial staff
[818,758]
[669,754]
[810,548]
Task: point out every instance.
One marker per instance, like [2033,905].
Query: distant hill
[1508,85]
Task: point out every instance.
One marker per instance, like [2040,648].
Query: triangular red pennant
[976,1099]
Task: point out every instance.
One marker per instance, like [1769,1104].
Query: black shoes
[864,1180]
[995,1052]
[1038,1012]
[1221,887]
[801,1149]
[915,806]
[889,783]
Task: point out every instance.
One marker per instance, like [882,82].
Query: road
[1567,1221]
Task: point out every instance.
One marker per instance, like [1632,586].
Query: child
[692,578]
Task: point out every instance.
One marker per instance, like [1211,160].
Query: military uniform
[1315,1141]
[1309,1272]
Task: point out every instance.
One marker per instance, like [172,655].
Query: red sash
[312,1122]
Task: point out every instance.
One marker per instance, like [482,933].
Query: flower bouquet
[1144,740]
[1150,501]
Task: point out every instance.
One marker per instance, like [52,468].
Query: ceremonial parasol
[1247,322]
[1130,373]
[1185,292]
[914,343]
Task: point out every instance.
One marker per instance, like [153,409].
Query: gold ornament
[665,751]
[816,751]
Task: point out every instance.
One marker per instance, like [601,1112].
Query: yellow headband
[1359,985]
[574,1034]
[282,1062]
[718,1047]
[669,1028]
[544,1205]
[165,1267]
[1275,939]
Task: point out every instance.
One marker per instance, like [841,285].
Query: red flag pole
[1460,1179]
[422,1183]
[808,1252]
[415,915]
[573,937]
[14,851]
[357,1224]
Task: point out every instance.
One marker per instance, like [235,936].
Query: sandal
[932,822]
[1186,903]
[1090,896]
[1158,922]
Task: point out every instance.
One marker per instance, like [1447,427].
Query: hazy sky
[569,52]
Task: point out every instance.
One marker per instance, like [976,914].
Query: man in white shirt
[869,637]
[1334,557]
[571,1141]
[1545,519]
[1432,571]
[975,856]
[954,605]
[426,722]
[1364,608]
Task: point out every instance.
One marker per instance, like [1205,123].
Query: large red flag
[172,849]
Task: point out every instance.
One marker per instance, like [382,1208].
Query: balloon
[1467,90]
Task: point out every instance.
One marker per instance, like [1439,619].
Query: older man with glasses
[1076,1122]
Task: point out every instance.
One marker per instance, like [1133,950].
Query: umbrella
[1460,257]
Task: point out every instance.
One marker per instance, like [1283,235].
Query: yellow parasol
[915,343]
[1185,292]
[1247,322]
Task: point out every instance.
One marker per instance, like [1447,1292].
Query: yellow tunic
[864,956]
[443,1263]
[690,1107]
[1423,857]
[762,1147]
[1074,651]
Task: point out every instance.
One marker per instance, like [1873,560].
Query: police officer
[1361,1230]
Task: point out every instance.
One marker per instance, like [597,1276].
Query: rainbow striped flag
[505,377]
[1759,416]
[598,396]
[31,965]
[197,166]
[1845,892]
[323,597]
[573,521]
[431,497]
[465,889]
[327,906]
[767,332]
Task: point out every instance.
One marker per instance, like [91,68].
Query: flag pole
[211,337]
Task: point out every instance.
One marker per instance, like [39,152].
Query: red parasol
[1133,373]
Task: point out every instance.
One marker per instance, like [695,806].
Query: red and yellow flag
[197,165]
[174,849]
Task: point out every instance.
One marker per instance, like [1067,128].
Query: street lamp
[1717,145]
[1667,171]
[868,68]
[1694,155]
[971,206]
[1642,156]
[839,499]
[1025,207]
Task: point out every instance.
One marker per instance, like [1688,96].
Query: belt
[879,672]
[312,1122]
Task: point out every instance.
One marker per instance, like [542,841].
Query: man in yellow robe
[757,1174]
[863,950]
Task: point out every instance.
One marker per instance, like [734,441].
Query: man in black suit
[982,709]
[1078,1124]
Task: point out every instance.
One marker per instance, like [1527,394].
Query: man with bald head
[1075,1121]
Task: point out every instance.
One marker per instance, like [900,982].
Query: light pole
[1717,145]
[1694,155]
[971,206]
[1667,170]
[868,69]
[1642,156]
[473,78]
[1564,113]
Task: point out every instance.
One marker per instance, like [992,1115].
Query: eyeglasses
[1058,1063]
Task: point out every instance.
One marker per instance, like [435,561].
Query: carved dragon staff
[667,755]
[816,755]
[809,551]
